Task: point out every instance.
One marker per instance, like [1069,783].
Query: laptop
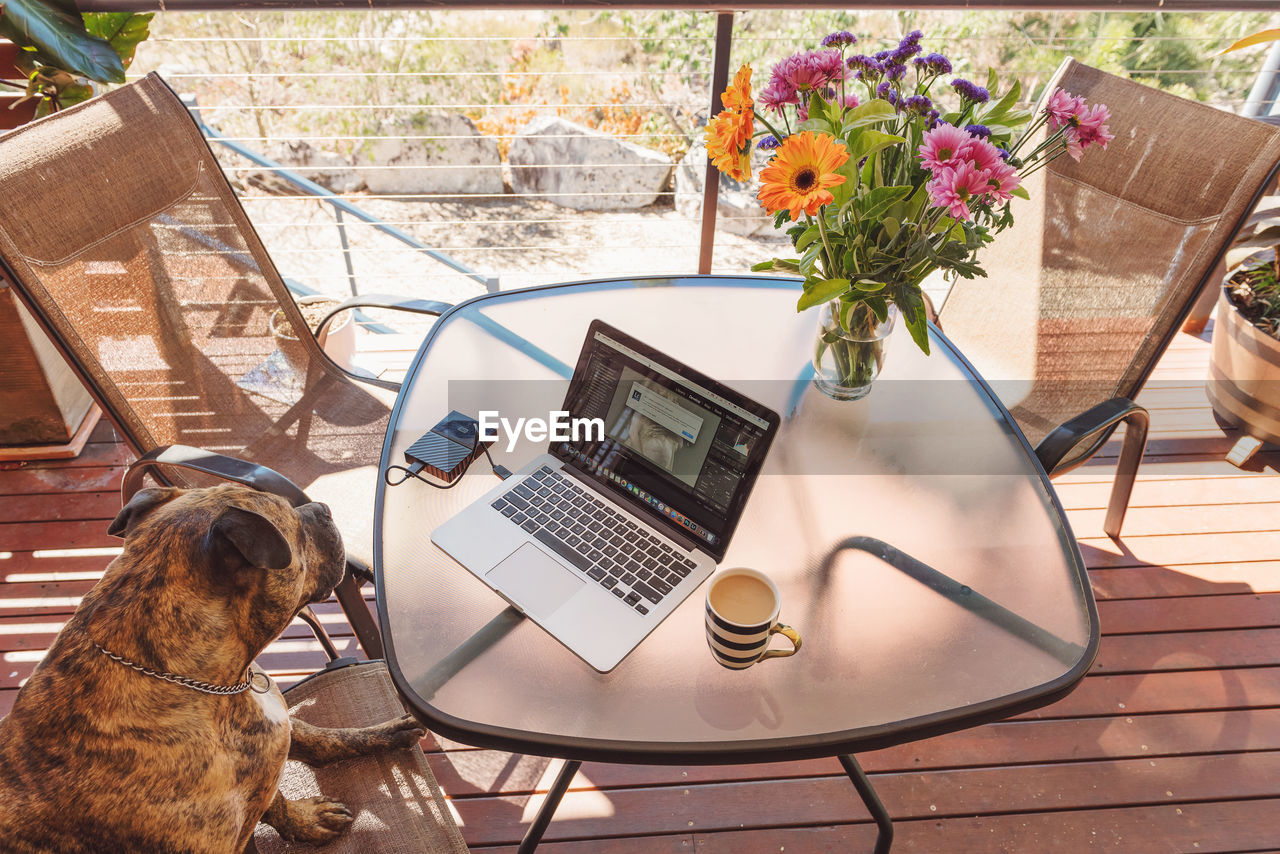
[601,537]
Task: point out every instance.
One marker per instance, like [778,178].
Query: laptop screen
[679,446]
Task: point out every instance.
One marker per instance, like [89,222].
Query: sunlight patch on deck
[111,551]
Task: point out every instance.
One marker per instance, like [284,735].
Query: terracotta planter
[1244,378]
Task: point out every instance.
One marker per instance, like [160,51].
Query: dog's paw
[316,820]
[401,732]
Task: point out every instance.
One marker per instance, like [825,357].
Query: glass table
[915,539]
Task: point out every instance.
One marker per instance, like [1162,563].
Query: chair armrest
[1099,422]
[218,465]
[399,303]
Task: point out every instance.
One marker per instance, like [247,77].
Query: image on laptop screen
[682,446]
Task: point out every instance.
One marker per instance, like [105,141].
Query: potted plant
[1244,366]
[338,339]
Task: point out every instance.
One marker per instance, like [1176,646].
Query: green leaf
[998,109]
[868,286]
[122,30]
[993,79]
[876,202]
[820,291]
[911,303]
[1020,192]
[807,237]
[61,40]
[870,141]
[920,333]
[773,265]
[876,110]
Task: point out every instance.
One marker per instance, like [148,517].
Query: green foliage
[64,50]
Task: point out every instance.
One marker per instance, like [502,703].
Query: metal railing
[346,83]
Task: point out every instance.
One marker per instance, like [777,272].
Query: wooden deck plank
[830,799]
[1172,742]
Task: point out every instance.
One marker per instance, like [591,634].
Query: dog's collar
[259,681]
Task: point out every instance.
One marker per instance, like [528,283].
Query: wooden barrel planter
[1244,379]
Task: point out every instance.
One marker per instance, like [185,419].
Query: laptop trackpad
[534,581]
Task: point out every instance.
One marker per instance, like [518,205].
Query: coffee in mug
[742,615]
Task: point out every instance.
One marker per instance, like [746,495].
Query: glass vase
[850,348]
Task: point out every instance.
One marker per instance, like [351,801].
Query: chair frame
[153,459]
[1096,425]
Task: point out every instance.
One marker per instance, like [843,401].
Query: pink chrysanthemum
[946,146]
[1089,128]
[803,72]
[778,94]
[984,155]
[1002,180]
[1062,107]
[953,188]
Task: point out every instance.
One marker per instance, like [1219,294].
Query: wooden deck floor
[1171,744]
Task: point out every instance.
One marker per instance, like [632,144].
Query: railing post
[711,189]
[346,251]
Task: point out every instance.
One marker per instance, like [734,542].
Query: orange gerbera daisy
[799,174]
[729,143]
[738,96]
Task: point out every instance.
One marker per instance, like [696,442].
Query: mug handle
[791,635]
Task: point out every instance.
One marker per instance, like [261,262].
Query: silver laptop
[601,537]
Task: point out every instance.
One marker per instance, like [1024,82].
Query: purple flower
[969,92]
[934,119]
[895,71]
[933,63]
[865,67]
[908,47]
[771,142]
[1003,152]
[844,38]
[887,92]
[882,55]
[980,131]
[918,104]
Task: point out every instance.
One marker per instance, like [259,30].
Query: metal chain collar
[194,684]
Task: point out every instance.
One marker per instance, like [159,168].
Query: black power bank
[448,448]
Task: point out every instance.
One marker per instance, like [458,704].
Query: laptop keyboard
[607,547]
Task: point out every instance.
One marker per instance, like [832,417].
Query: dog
[114,744]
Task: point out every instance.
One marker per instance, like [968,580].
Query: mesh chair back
[1103,264]
[119,229]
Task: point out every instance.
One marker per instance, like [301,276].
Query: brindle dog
[99,757]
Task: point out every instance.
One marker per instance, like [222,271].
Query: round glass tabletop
[916,543]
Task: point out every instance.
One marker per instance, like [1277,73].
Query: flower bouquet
[883,183]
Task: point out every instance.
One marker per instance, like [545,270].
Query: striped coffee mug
[742,614]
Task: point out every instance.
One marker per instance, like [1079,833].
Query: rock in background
[584,169]
[738,211]
[461,164]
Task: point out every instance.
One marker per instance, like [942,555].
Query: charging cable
[415,470]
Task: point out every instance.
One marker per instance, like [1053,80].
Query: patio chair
[121,236]
[1103,265]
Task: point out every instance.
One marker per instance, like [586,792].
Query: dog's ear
[142,503]
[252,538]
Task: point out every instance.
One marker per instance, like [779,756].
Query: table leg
[533,835]
[884,839]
